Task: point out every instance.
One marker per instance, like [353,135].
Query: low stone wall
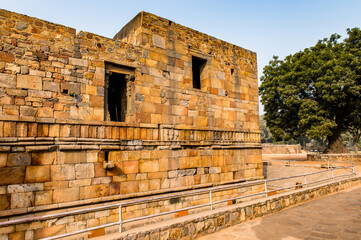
[193,227]
[334,157]
[280,149]
[86,219]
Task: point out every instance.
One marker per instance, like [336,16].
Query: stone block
[114,188]
[91,156]
[6,100]
[129,167]
[5,200]
[28,111]
[37,174]
[157,175]
[55,185]
[158,41]
[43,198]
[129,187]
[43,158]
[96,101]
[99,171]
[148,166]
[29,82]
[17,92]
[11,110]
[84,170]
[12,175]
[94,191]
[7,80]
[62,172]
[173,163]
[98,114]
[49,231]
[22,200]
[65,195]
[29,235]
[78,62]
[154,184]
[17,236]
[144,186]
[101,180]
[45,112]
[91,90]
[51,86]
[32,187]
[96,233]
[6,57]
[73,157]
[189,162]
[80,183]
[3,159]
[18,159]
[34,72]
[215,170]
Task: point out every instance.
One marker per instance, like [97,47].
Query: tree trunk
[356,148]
[335,144]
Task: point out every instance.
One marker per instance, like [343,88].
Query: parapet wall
[334,157]
[281,149]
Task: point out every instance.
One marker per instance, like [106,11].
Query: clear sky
[267,27]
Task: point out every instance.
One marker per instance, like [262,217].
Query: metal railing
[288,163]
[211,203]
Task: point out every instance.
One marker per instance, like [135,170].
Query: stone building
[87,119]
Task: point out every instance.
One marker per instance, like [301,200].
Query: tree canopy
[315,92]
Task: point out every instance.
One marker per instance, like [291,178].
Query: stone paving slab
[337,216]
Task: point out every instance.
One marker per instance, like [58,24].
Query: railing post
[265,187]
[332,173]
[353,168]
[328,164]
[210,199]
[305,181]
[120,218]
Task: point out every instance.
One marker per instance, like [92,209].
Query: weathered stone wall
[47,71]
[334,157]
[228,95]
[280,149]
[53,137]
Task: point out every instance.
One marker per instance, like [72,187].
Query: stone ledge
[194,226]
[11,118]
[105,200]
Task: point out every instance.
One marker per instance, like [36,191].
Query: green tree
[314,91]
[266,136]
[353,49]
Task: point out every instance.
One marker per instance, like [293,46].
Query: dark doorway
[198,65]
[117,97]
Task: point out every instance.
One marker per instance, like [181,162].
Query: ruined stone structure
[87,119]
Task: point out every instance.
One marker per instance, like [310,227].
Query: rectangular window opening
[117,97]
[198,65]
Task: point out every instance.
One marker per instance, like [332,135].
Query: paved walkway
[337,216]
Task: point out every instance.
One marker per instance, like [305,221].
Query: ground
[337,216]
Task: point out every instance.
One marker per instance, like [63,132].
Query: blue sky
[267,27]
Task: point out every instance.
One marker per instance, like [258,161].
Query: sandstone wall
[280,149]
[228,95]
[57,151]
